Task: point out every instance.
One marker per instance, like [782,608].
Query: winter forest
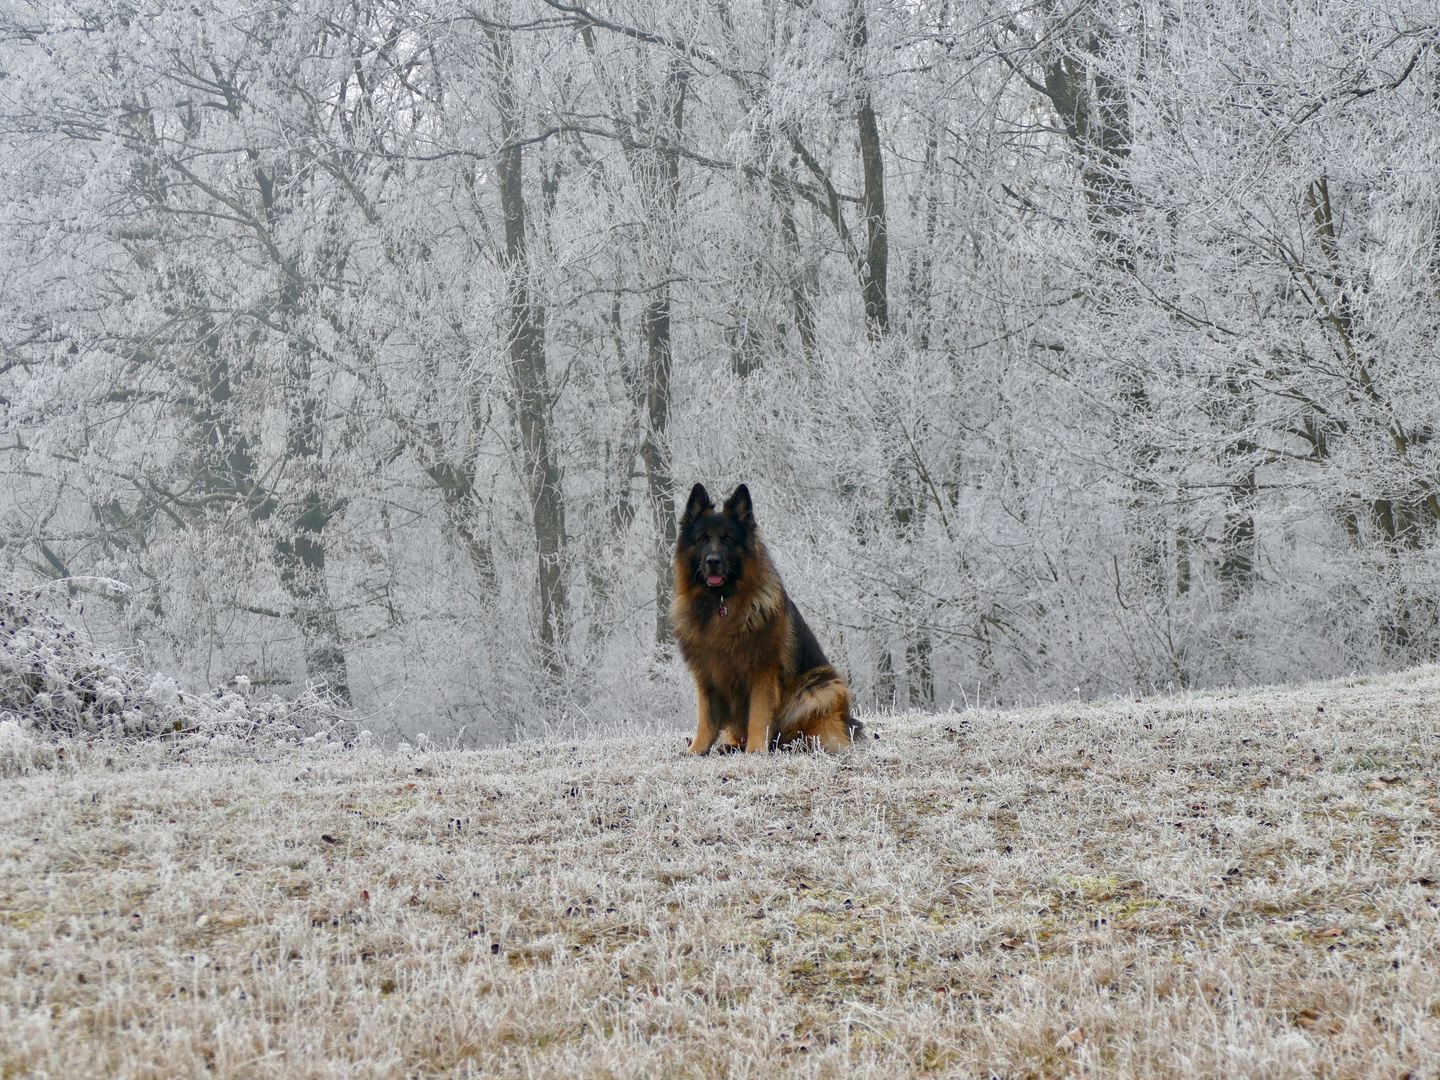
[1068,349]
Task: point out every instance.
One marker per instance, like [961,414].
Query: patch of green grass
[1088,885]
[1364,761]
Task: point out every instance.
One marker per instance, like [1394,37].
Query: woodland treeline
[1066,348]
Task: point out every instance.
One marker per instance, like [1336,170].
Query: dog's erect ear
[738,505]
[699,504]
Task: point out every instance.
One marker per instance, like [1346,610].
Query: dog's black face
[716,542]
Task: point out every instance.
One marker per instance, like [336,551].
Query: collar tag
[723,609]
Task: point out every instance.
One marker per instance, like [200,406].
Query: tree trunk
[802,303]
[1095,112]
[658,170]
[531,397]
[1238,559]
[655,452]
[874,270]
[300,559]
[919,665]
[462,504]
[1098,122]
[299,551]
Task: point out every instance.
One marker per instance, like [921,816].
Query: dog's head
[716,542]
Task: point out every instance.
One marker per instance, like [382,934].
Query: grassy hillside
[1220,884]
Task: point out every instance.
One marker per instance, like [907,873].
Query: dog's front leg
[764,701]
[705,729]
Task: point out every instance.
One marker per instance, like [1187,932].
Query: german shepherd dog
[761,679]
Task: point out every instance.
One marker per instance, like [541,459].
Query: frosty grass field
[1220,884]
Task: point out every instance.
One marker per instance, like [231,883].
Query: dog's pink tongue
[714,579]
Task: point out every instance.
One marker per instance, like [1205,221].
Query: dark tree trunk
[874,269]
[1095,112]
[658,169]
[300,558]
[462,506]
[531,397]
[655,452]
[1096,115]
[802,304]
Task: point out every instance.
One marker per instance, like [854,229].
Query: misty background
[1067,349]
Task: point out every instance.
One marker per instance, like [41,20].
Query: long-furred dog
[761,679]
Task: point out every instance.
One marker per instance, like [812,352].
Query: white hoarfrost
[1060,344]
[55,682]
[18,754]
[1217,884]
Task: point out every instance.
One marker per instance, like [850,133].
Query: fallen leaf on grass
[1312,1020]
[1071,1039]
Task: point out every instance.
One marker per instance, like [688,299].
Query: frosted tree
[1063,348]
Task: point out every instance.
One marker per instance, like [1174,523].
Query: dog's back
[761,677]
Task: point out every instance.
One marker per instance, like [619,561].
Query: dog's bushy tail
[821,709]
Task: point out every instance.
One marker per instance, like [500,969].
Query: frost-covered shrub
[55,682]
[19,754]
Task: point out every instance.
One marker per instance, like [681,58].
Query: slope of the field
[1213,885]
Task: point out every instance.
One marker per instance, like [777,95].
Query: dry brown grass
[1219,885]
